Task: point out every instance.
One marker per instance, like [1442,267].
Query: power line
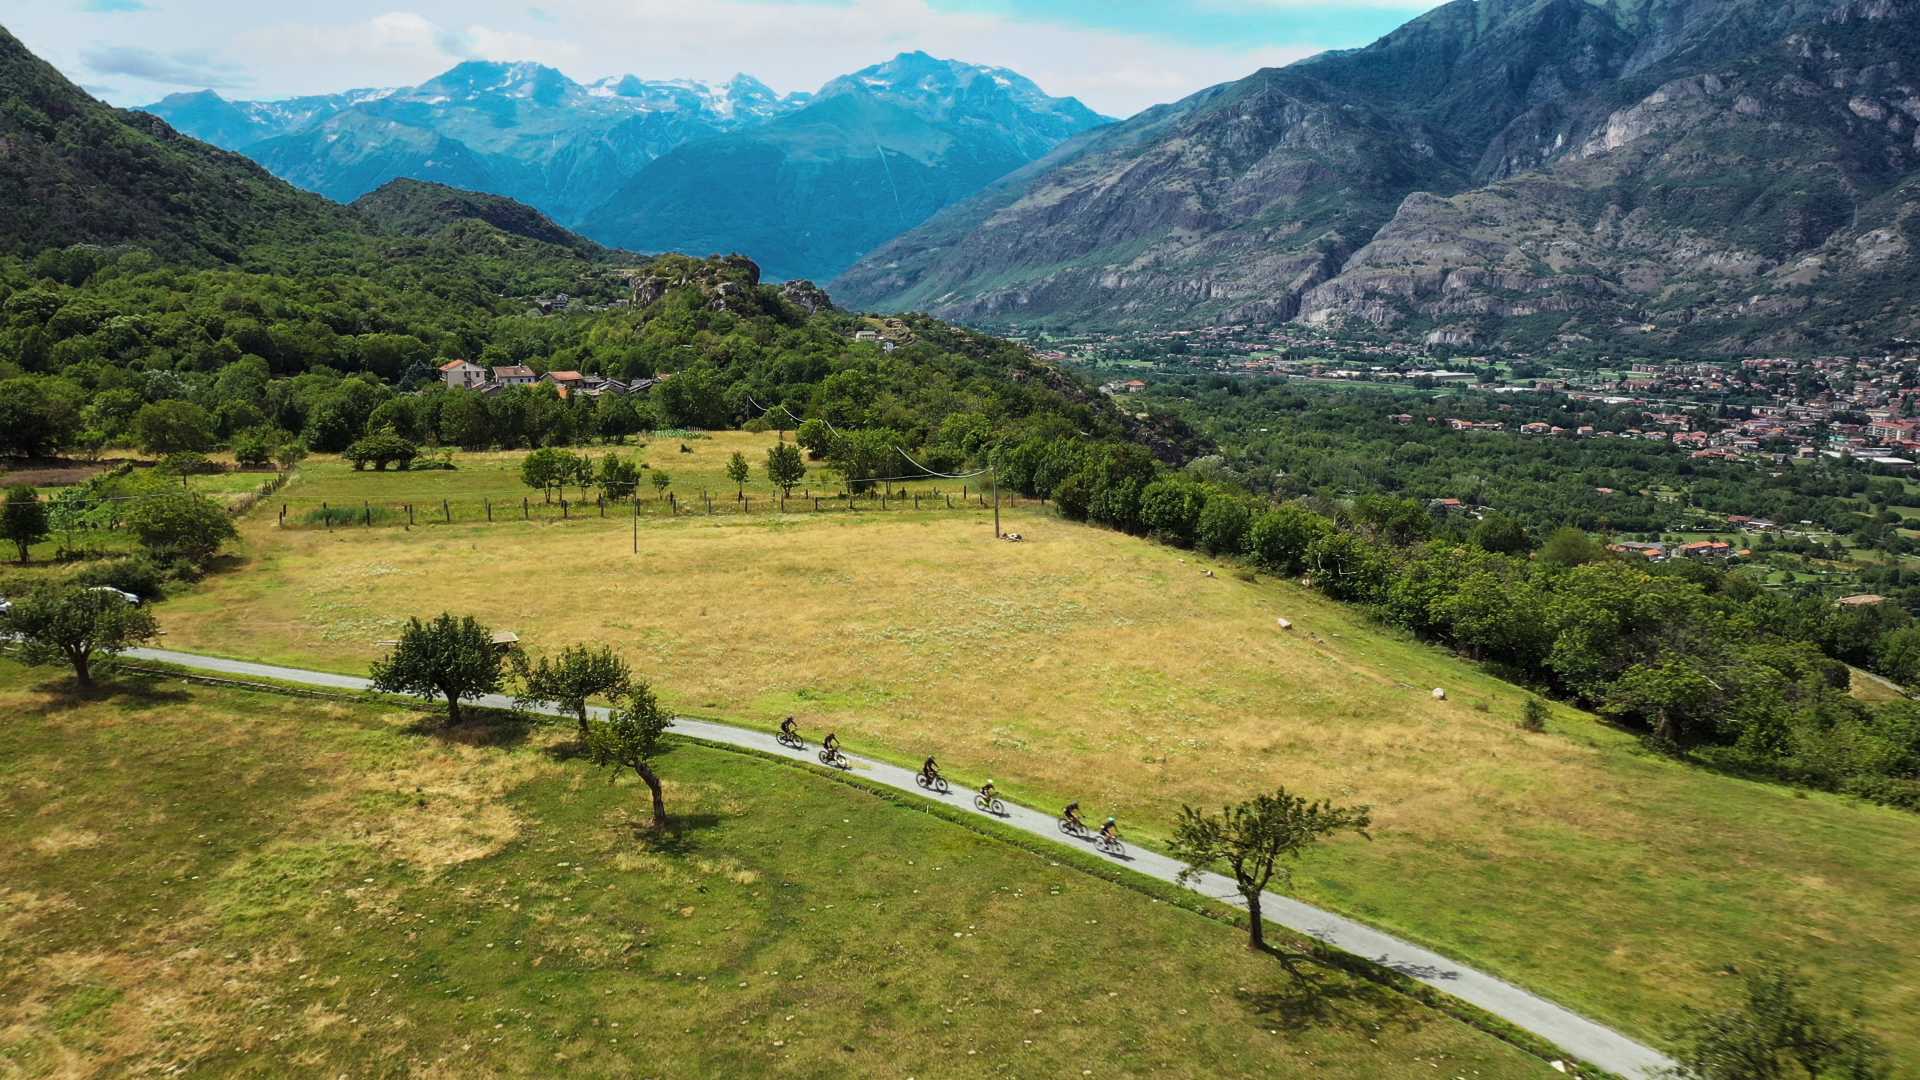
[931,472]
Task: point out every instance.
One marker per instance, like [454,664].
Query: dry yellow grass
[1085,664]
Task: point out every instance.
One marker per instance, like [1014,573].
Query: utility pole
[636,524]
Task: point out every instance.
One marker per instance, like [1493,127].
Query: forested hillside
[73,170]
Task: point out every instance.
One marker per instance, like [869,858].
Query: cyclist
[987,793]
[789,728]
[930,770]
[831,744]
[1072,815]
[1110,831]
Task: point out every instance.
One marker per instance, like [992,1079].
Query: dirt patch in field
[55,472]
[61,839]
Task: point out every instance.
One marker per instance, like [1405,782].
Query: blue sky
[1118,56]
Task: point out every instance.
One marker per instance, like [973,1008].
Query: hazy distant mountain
[1710,174]
[872,154]
[520,130]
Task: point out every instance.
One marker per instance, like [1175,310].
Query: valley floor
[1084,664]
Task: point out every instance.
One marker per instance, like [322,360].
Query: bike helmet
[1110,821]
[989,782]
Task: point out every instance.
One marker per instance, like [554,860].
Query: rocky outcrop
[806,296]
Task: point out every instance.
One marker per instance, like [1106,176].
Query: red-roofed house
[566,381]
[462,373]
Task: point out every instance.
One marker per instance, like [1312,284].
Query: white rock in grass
[1284,624]
[1439,694]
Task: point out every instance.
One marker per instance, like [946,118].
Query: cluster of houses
[1706,550]
[464,374]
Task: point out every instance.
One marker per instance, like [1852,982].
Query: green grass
[229,882]
[1084,664]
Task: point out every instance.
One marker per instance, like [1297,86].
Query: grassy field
[1085,664]
[218,882]
[696,474]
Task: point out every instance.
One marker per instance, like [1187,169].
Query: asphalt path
[1573,1033]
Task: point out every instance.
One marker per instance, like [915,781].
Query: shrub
[139,575]
[381,449]
[1533,715]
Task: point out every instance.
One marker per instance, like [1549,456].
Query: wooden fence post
[816,505]
[564,515]
[368,507]
[446,508]
[283,515]
[523,508]
[949,502]
[489,503]
[326,515]
[602,500]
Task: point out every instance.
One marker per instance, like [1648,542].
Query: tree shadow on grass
[495,728]
[140,691]
[1320,987]
[677,837]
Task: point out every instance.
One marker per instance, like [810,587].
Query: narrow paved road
[1575,1034]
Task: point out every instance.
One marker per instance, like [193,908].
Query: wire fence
[331,514]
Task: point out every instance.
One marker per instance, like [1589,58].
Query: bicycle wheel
[940,785]
[998,809]
[980,803]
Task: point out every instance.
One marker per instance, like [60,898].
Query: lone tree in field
[737,472]
[1252,837]
[448,657]
[1775,1033]
[629,738]
[661,481]
[65,624]
[23,519]
[181,525]
[546,469]
[786,466]
[618,477]
[578,673]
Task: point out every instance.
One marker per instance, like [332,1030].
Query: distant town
[1860,408]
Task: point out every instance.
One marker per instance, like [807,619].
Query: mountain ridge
[874,153]
[1250,201]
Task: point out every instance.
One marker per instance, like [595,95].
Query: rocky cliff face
[1703,173]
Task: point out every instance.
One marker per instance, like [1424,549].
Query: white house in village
[462,373]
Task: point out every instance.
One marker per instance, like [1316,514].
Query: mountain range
[808,182]
[1707,175]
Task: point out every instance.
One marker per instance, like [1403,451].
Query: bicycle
[938,784]
[1073,828]
[1111,845]
[791,742]
[835,759]
[990,806]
